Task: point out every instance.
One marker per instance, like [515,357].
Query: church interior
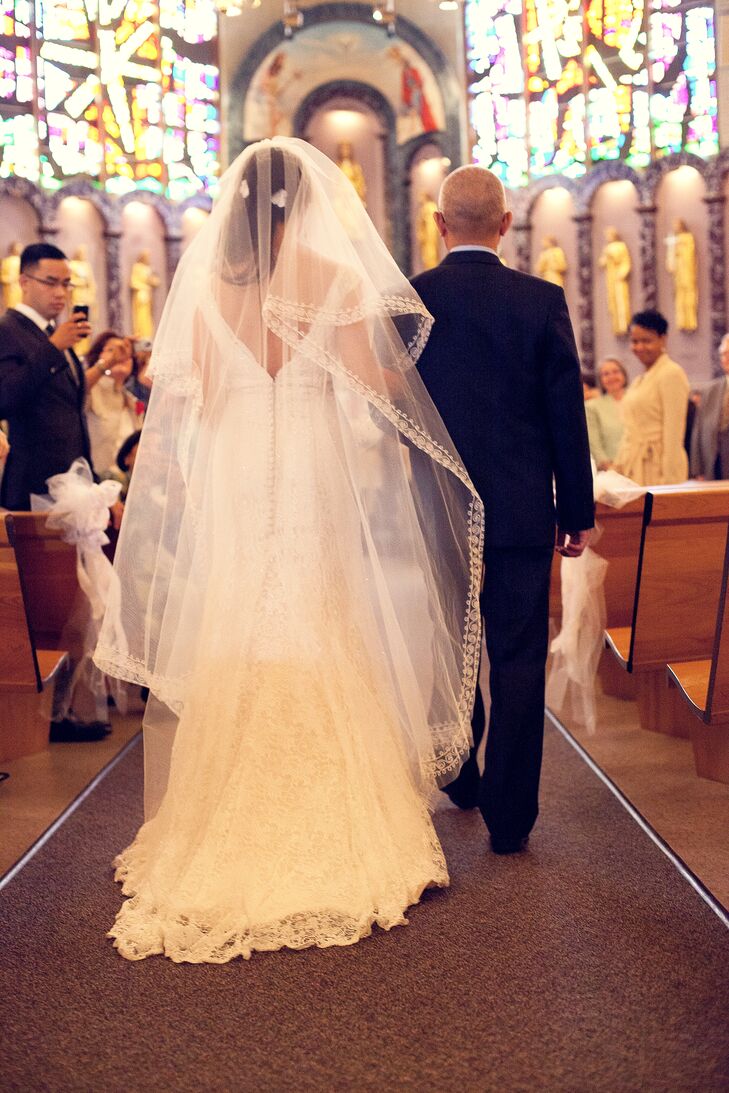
[599,961]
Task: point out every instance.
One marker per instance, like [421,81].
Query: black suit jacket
[43,406]
[502,368]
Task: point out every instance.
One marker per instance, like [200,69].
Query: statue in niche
[552,261]
[83,290]
[10,276]
[352,170]
[681,264]
[615,260]
[143,281]
[426,232]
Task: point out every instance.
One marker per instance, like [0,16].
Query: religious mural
[344,51]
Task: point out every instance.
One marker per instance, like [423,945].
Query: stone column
[112,240]
[523,232]
[717,261]
[173,248]
[648,277]
[585,283]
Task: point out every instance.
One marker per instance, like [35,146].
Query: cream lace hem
[143,929]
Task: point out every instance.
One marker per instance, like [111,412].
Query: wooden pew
[704,687]
[27,672]
[619,544]
[678,580]
[49,568]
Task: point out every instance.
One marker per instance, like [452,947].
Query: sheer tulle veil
[288,274]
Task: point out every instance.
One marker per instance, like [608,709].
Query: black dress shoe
[69,731]
[462,797]
[509,846]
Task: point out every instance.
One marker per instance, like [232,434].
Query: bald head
[473,206]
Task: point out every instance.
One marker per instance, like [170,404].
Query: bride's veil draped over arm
[288,421]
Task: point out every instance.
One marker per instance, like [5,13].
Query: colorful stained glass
[190,96]
[602,80]
[553,48]
[126,92]
[496,87]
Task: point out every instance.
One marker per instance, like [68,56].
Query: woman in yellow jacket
[654,409]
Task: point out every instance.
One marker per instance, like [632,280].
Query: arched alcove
[615,205]
[341,117]
[552,215]
[80,225]
[679,197]
[142,230]
[18,226]
[191,223]
[428,168]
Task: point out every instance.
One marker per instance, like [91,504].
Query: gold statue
[83,290]
[349,166]
[615,260]
[552,261]
[10,276]
[142,281]
[681,264]
[426,232]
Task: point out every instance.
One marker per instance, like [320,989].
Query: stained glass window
[125,91]
[555,85]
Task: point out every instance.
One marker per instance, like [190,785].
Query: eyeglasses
[50,282]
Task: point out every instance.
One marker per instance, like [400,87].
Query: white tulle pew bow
[576,649]
[78,507]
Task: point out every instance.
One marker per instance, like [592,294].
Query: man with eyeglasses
[42,385]
[42,392]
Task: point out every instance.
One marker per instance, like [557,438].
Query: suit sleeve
[22,374]
[696,455]
[565,407]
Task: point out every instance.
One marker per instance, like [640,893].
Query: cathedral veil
[289,273]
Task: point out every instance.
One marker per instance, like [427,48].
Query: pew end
[27,674]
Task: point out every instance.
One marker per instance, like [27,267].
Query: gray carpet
[587,964]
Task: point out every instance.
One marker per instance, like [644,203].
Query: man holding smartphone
[42,384]
[42,392]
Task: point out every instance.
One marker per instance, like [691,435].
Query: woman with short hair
[654,408]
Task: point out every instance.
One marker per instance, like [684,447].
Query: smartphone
[81,311]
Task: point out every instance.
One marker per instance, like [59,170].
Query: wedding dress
[279,591]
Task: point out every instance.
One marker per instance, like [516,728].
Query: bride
[297,586]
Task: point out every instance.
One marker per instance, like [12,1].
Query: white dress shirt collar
[31,313]
[473,246]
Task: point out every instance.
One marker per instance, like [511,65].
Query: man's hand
[570,544]
[68,334]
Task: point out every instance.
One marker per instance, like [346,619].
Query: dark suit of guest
[501,367]
[709,450]
[42,394]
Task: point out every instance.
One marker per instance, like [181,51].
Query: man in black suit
[42,384]
[502,368]
[42,391]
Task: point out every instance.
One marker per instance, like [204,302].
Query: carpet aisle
[587,964]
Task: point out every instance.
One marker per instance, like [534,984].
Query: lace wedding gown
[293,815]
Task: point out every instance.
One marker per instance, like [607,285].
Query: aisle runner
[587,964]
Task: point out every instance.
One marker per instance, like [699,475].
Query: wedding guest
[651,450]
[710,434]
[42,384]
[604,416]
[112,410]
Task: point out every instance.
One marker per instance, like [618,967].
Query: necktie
[50,328]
